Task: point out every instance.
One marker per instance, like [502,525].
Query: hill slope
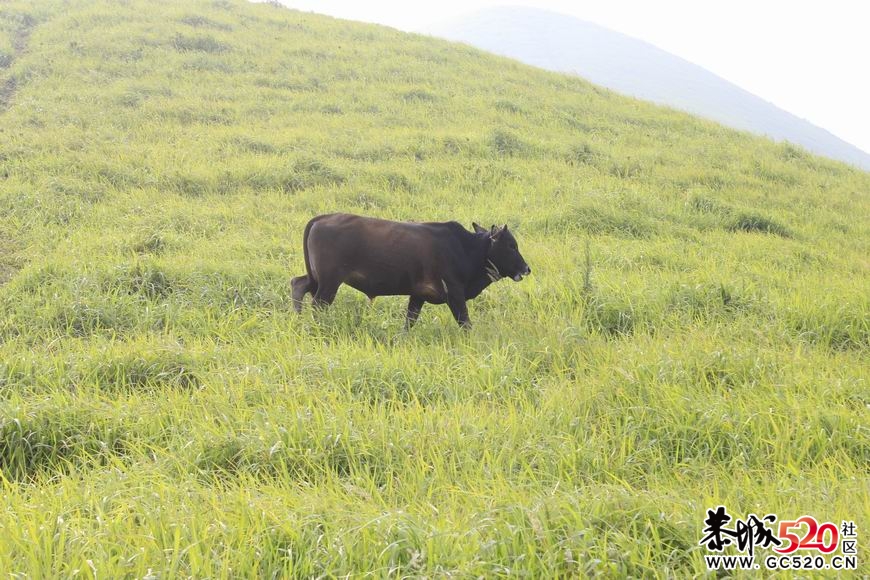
[162,408]
[562,43]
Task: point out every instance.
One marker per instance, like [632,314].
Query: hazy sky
[810,58]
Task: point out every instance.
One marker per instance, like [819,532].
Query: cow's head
[504,256]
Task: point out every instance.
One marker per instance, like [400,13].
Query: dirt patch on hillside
[7,91]
[6,273]
[9,261]
[19,44]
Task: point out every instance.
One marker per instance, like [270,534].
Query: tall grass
[695,332]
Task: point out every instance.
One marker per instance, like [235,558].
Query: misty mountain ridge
[630,66]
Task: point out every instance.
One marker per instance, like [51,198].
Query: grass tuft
[753,222]
[203,43]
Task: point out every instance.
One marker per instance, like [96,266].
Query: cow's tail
[302,285]
[311,280]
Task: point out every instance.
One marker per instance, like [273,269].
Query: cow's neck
[480,278]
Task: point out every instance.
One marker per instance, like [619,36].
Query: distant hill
[633,67]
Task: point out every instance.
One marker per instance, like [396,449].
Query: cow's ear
[504,227]
[477,228]
[495,232]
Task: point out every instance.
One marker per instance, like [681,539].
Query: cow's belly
[431,291]
[434,291]
[373,285]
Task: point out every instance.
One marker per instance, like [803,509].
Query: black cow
[430,262]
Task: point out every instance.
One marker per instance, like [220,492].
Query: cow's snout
[519,275]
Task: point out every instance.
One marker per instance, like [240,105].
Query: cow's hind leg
[301,285]
[325,293]
[415,305]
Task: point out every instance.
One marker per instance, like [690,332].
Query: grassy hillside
[162,409]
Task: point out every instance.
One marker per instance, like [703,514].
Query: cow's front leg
[415,305]
[459,308]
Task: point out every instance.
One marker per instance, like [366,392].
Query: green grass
[696,330]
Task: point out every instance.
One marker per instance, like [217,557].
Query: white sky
[810,58]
